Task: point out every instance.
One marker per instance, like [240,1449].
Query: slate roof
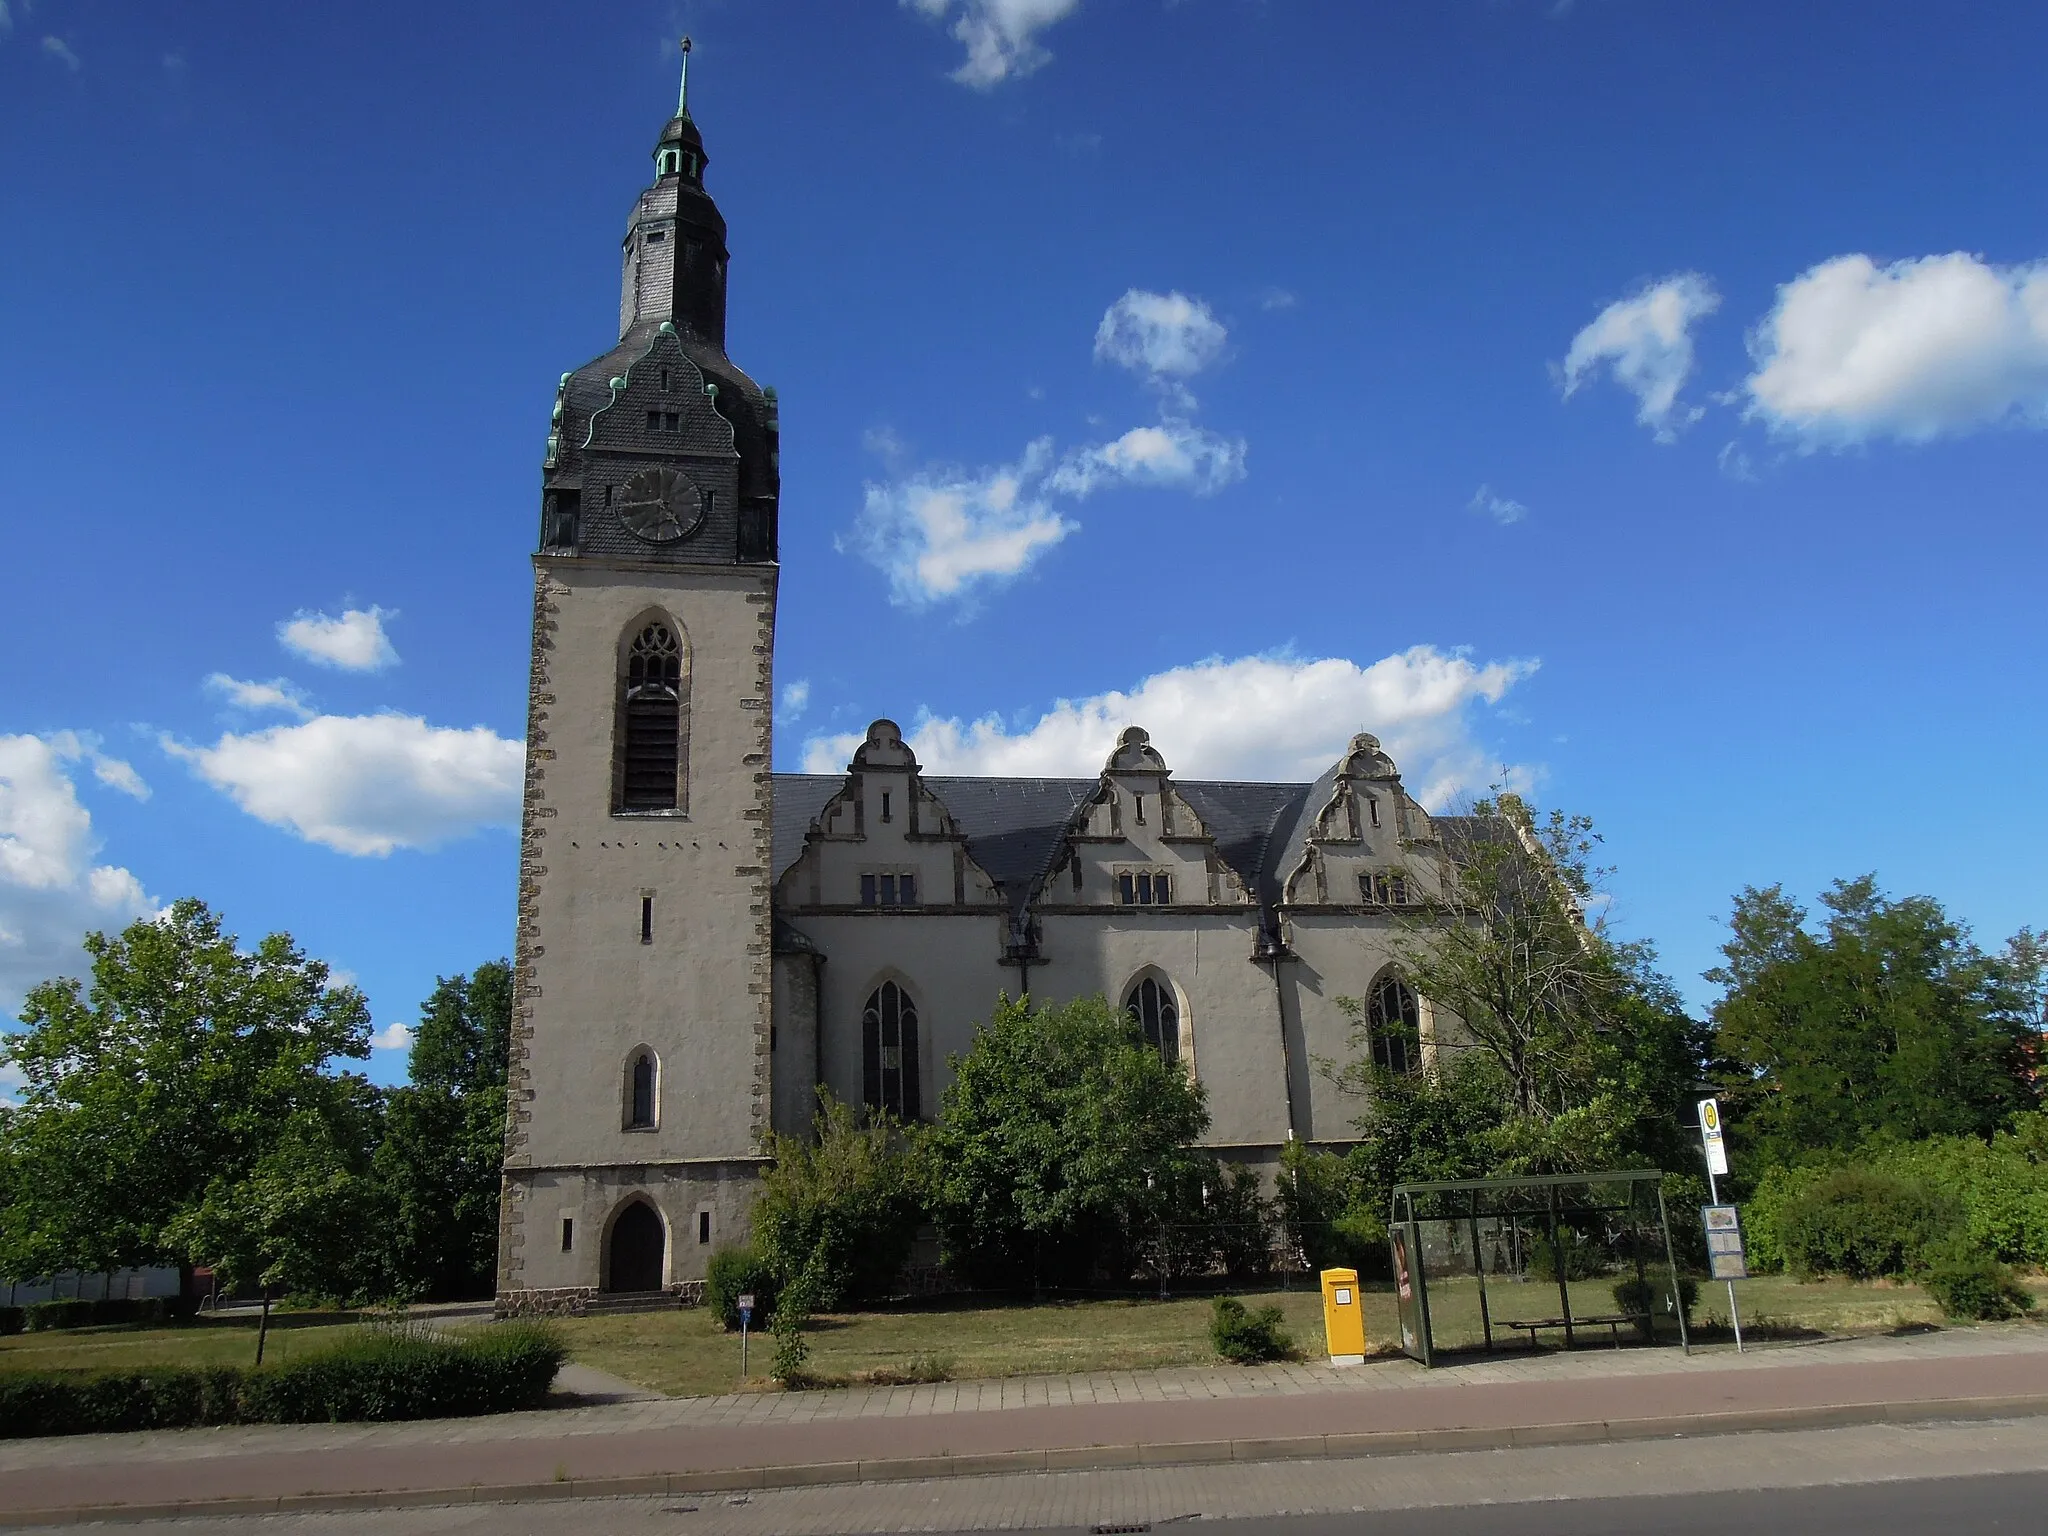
[1014,827]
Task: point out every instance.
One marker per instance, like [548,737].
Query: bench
[1610,1321]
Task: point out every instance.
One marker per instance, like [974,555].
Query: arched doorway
[637,1245]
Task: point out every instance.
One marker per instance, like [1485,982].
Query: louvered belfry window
[888,1027]
[653,720]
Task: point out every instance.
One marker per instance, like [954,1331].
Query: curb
[1068,1459]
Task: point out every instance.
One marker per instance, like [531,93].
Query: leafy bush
[1248,1337]
[1583,1257]
[382,1374]
[1315,1189]
[403,1373]
[1649,1299]
[1242,1222]
[1975,1286]
[843,1205]
[1861,1223]
[13,1319]
[1037,1164]
[732,1273]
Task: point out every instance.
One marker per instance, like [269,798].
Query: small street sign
[1725,1257]
[1710,1134]
[746,1301]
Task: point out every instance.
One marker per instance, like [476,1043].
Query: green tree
[1884,1019]
[439,1166]
[843,1205]
[175,1073]
[1055,1120]
[1558,1049]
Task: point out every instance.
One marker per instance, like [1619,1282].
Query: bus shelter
[1511,1262]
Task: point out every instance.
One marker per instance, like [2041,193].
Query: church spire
[683,91]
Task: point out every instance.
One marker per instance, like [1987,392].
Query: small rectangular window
[568,1233]
[885,805]
[906,890]
[664,381]
[1144,890]
[703,1226]
[654,421]
[655,237]
[1372,806]
[1126,890]
[1397,890]
[867,890]
[646,919]
[1162,890]
[1140,799]
[607,495]
[672,420]
[888,890]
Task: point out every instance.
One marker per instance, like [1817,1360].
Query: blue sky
[1641,401]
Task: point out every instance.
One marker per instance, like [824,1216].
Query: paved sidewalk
[1031,1423]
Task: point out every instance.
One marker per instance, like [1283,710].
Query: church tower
[639,1088]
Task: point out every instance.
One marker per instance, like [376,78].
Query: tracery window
[1393,1018]
[1150,1003]
[640,1083]
[888,1028]
[651,720]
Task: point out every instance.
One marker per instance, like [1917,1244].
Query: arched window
[1151,1004]
[651,720]
[641,1079]
[888,1052]
[1393,1019]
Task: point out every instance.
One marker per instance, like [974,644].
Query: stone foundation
[576,1300]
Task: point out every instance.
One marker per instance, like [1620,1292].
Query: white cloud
[367,784]
[1001,36]
[1166,336]
[946,532]
[1646,339]
[279,693]
[392,1037]
[1273,717]
[51,893]
[942,532]
[1733,460]
[1174,453]
[1914,350]
[796,698]
[6,20]
[60,50]
[355,642]
[1496,506]
[117,774]
[1277,298]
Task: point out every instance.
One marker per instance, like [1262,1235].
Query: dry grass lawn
[686,1353]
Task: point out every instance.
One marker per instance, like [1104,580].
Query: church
[702,941]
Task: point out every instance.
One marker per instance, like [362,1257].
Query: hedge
[381,1374]
[149,1311]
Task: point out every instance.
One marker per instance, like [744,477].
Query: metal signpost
[1725,1258]
[746,1317]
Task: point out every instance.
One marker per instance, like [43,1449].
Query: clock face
[660,505]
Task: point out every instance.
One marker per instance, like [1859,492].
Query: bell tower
[639,1087]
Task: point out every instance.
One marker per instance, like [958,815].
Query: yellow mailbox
[1343,1317]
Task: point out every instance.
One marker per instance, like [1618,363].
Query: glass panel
[906,889]
[1162,890]
[867,890]
[888,890]
[1126,890]
[1144,890]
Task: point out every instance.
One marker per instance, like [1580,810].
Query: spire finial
[683,91]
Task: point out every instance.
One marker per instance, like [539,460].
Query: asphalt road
[1954,1479]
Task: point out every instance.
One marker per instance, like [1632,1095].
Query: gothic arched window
[888,1052]
[651,720]
[641,1078]
[1151,1004]
[1393,1019]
